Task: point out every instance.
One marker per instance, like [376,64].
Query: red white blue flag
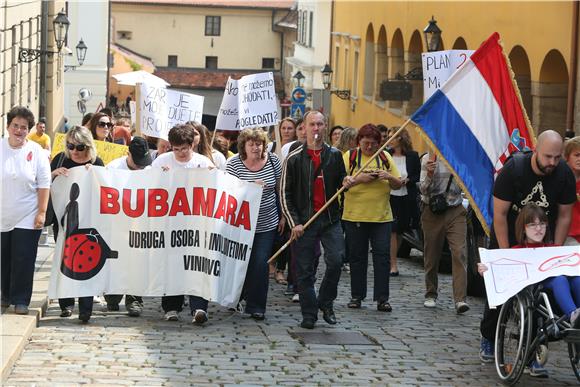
[475,121]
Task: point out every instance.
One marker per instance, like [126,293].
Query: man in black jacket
[312,174]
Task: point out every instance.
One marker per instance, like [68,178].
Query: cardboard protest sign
[438,67]
[511,270]
[253,97]
[107,151]
[160,109]
[153,233]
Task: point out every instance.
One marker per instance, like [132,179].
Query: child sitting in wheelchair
[532,232]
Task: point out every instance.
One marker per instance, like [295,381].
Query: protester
[100,126]
[312,174]
[287,128]
[203,141]
[347,139]
[300,139]
[220,144]
[39,136]
[334,135]
[404,199]
[539,177]
[443,217]
[182,138]
[254,164]
[384,133]
[365,223]
[86,119]
[137,158]
[122,131]
[79,150]
[572,156]
[25,178]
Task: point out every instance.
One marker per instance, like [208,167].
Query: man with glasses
[539,177]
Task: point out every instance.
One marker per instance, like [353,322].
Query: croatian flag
[475,121]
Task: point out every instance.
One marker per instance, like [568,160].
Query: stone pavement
[410,346]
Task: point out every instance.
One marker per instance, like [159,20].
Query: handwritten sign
[161,109]
[227,118]
[107,151]
[438,67]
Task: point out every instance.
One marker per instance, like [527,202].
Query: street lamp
[299,77]
[60,26]
[432,35]
[81,49]
[327,81]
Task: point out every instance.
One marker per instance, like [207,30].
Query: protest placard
[153,233]
[107,151]
[160,109]
[438,67]
[253,97]
[511,270]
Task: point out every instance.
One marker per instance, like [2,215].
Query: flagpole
[337,194]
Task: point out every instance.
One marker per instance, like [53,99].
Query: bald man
[539,177]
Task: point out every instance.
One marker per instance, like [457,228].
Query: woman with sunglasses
[101,127]
[79,150]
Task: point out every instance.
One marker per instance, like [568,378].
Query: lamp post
[432,35]
[60,26]
[327,81]
[299,77]
[81,49]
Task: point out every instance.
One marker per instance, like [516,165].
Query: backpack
[354,159]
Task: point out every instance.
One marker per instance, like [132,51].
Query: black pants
[19,249]
[115,299]
[176,303]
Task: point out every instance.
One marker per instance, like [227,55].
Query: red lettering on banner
[109,201]
[231,211]
[220,212]
[180,203]
[140,205]
[203,204]
[157,202]
[243,216]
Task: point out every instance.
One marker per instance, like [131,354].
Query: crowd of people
[382,195]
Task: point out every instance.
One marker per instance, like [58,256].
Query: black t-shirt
[523,187]
[68,163]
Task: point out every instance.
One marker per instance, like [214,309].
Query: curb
[17,329]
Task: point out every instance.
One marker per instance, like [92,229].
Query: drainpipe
[573,69]
[108,54]
[43,58]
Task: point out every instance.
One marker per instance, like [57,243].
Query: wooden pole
[137,110]
[337,194]
[212,138]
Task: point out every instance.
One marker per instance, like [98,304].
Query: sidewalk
[16,329]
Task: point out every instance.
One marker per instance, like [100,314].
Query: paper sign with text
[107,151]
[153,233]
[511,270]
[438,67]
[160,109]
[227,118]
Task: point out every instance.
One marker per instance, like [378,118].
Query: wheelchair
[525,325]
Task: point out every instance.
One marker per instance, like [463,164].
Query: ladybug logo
[85,251]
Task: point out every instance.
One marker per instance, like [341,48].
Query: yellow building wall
[538,27]
[158,31]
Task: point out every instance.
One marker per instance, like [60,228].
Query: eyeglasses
[78,147]
[539,225]
[103,124]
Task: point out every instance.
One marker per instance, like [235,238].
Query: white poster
[438,67]
[133,112]
[227,118]
[160,109]
[511,270]
[153,233]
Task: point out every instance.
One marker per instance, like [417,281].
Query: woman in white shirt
[25,178]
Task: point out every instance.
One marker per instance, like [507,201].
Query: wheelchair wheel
[512,339]
[574,353]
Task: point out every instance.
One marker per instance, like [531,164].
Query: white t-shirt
[286,149]
[121,163]
[23,172]
[219,159]
[401,163]
[168,160]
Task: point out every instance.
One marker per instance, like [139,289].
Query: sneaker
[66,312]
[536,370]
[574,319]
[172,315]
[289,290]
[84,317]
[134,309]
[486,350]
[21,309]
[113,307]
[296,298]
[461,307]
[346,267]
[200,317]
[430,303]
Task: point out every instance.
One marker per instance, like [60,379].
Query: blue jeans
[359,235]
[566,291]
[19,249]
[333,242]
[255,290]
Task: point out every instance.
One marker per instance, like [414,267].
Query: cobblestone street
[410,346]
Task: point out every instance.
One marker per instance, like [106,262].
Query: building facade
[373,41]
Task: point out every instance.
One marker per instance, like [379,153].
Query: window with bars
[171,60]
[213,25]
[211,62]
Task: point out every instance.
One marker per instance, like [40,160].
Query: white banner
[153,233]
[248,103]
[227,118]
[511,270]
[438,67]
[160,109]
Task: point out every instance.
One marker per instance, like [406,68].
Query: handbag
[438,203]
[50,217]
